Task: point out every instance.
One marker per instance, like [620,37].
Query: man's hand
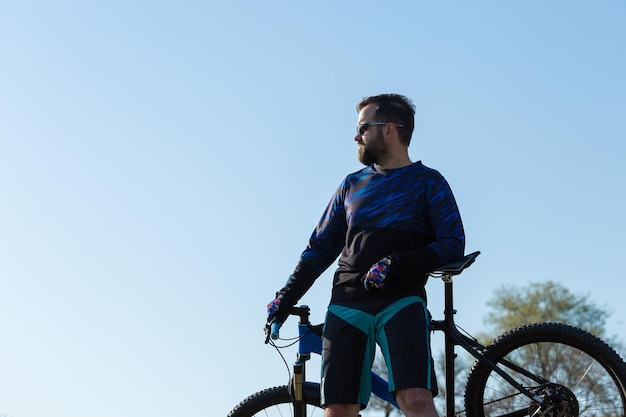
[278,309]
[375,277]
[272,308]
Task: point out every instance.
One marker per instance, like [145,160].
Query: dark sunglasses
[363,127]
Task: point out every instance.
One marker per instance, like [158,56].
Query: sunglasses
[363,127]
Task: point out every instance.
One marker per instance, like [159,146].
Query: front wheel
[572,371]
[277,402]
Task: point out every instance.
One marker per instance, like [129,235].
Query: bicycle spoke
[576,367]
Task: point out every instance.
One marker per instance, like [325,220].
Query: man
[391,223]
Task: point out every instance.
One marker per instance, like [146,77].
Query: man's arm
[325,244]
[449,243]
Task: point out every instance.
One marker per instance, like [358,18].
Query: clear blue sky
[162,165]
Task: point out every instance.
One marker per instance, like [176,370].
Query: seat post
[449,313]
[449,310]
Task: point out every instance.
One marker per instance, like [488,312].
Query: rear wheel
[577,374]
[274,402]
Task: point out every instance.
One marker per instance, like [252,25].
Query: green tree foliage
[540,302]
[513,306]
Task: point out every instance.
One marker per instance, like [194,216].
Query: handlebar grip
[275,330]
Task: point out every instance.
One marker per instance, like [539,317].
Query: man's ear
[389,131]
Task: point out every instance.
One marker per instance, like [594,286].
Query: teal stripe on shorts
[374,327]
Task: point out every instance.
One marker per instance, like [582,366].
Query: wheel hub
[559,401]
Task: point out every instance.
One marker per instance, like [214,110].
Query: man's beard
[374,152]
[365,156]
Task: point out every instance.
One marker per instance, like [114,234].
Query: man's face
[372,148]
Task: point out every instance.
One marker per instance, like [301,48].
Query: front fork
[296,386]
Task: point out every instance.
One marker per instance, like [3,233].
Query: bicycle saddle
[457,266]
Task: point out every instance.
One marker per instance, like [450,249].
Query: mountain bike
[536,370]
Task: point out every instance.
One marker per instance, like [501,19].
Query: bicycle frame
[310,341]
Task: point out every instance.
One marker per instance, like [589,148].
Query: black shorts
[351,332]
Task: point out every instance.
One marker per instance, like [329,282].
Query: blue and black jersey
[409,212]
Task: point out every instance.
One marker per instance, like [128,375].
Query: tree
[513,306]
[552,302]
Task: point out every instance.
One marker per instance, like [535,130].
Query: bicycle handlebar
[275,330]
[272,330]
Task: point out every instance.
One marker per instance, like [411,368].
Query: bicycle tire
[274,401]
[583,376]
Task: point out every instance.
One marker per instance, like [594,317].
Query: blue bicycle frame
[310,341]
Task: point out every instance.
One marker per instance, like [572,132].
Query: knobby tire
[273,402]
[581,375]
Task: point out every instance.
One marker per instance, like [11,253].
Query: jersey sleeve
[325,245]
[449,236]
[446,221]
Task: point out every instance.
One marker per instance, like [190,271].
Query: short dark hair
[394,108]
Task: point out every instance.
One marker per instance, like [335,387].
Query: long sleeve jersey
[409,212]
